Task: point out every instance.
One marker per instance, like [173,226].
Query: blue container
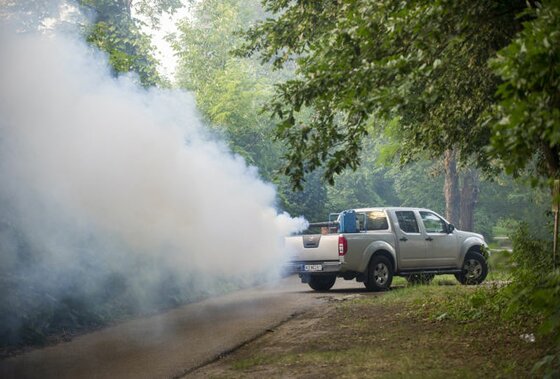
[347,222]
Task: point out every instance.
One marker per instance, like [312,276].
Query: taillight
[342,245]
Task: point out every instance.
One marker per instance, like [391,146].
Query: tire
[474,269]
[415,279]
[321,282]
[380,274]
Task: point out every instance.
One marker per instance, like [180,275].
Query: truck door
[441,246]
[411,242]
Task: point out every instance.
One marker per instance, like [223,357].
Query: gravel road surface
[173,344]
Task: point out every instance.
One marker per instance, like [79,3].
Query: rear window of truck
[376,220]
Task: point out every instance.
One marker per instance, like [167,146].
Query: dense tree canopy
[229,91]
[115,31]
[357,61]
[528,115]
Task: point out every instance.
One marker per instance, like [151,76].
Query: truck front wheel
[474,269]
[379,275]
[322,282]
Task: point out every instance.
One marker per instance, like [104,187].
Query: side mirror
[450,228]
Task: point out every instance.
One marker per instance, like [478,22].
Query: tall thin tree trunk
[451,188]
[469,198]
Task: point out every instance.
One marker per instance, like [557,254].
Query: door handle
[429,239]
[404,239]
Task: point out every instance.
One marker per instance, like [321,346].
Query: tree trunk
[126,5]
[469,198]
[451,188]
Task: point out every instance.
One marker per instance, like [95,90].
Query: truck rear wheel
[474,269]
[321,282]
[379,275]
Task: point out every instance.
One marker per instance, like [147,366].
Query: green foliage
[364,187]
[535,292]
[527,119]
[229,91]
[310,202]
[504,227]
[531,255]
[370,185]
[360,60]
[483,304]
[153,9]
[527,305]
[419,183]
[504,198]
[206,38]
[117,33]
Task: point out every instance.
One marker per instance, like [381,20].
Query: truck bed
[313,247]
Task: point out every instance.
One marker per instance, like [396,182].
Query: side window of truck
[432,223]
[376,220]
[407,221]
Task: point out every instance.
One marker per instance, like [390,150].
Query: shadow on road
[363,290]
[345,291]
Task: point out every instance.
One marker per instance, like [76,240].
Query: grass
[412,331]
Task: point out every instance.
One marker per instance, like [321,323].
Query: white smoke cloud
[94,166]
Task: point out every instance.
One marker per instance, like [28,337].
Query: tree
[505,198]
[422,61]
[115,31]
[526,123]
[372,184]
[311,201]
[230,91]
[360,62]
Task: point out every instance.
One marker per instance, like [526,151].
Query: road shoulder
[364,336]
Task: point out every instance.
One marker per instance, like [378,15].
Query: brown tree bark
[451,188]
[552,160]
[469,198]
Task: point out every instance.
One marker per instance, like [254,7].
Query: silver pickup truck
[415,243]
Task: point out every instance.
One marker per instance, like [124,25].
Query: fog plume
[106,186]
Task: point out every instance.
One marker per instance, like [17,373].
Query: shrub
[535,292]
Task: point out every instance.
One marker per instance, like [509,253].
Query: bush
[530,302]
[535,292]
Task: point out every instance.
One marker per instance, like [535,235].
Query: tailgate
[313,247]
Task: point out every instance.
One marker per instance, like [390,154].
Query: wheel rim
[473,269]
[381,274]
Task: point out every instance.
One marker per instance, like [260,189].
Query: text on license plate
[313,267]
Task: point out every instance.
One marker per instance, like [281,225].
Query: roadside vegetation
[521,299]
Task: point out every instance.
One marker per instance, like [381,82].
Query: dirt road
[175,343]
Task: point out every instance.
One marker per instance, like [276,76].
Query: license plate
[313,267]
